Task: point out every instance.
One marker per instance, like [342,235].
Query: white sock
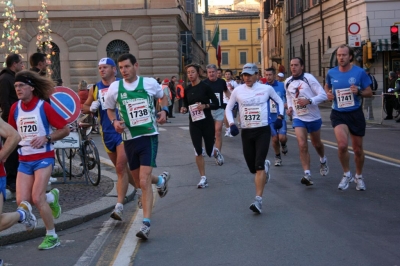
[49,197]
[348,174]
[203,176]
[258,198]
[323,159]
[119,206]
[358,176]
[307,172]
[51,232]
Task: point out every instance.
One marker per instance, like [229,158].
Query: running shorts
[354,120]
[141,151]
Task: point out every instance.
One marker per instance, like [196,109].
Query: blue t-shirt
[104,121]
[337,81]
[280,90]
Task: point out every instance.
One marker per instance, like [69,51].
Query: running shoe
[203,152]
[117,213]
[284,149]
[30,221]
[219,159]
[324,168]
[228,132]
[278,161]
[203,183]
[306,180]
[267,164]
[144,232]
[360,184]
[344,183]
[256,206]
[49,242]
[163,190]
[55,205]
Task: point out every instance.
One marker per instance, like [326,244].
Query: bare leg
[301,134]
[342,138]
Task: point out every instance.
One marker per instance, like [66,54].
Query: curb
[72,217]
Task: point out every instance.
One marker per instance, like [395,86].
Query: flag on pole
[216,44]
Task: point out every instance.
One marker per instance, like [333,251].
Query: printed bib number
[28,127]
[344,98]
[252,116]
[300,109]
[138,112]
[272,107]
[102,96]
[195,113]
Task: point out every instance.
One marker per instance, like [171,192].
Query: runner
[112,140]
[303,94]
[35,119]
[23,214]
[220,89]
[231,84]
[347,85]
[201,124]
[253,98]
[279,137]
[134,97]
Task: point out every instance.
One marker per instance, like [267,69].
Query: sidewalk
[80,203]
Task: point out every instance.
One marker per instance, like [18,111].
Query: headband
[24,79]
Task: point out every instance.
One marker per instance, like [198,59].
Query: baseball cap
[250,69]
[107,61]
[166,81]
[263,80]
[281,75]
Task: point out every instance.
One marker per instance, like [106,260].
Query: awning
[329,59]
[383,45]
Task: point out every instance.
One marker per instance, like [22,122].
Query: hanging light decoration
[11,26]
[43,39]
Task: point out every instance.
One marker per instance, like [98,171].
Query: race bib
[272,107]
[102,96]
[138,112]
[28,127]
[252,116]
[344,98]
[300,109]
[195,113]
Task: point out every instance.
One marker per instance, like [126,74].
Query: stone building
[85,31]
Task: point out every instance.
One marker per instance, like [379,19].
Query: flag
[216,44]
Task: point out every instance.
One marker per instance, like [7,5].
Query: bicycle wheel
[92,162]
[72,165]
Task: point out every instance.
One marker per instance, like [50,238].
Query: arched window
[309,57]
[116,48]
[328,42]
[54,64]
[319,58]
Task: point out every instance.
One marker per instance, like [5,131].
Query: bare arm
[88,102]
[12,139]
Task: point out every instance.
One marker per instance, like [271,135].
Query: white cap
[281,75]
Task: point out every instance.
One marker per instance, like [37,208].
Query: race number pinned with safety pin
[344,97]
[28,127]
[138,112]
[272,107]
[195,113]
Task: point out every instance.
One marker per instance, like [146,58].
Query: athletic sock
[160,181]
[146,221]
[119,206]
[49,197]
[348,174]
[358,176]
[51,232]
[258,198]
[307,172]
[323,159]
[21,216]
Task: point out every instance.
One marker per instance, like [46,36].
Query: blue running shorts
[281,131]
[3,185]
[111,141]
[310,126]
[29,168]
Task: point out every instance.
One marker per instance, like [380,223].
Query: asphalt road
[317,225]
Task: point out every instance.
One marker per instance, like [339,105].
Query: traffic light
[394,37]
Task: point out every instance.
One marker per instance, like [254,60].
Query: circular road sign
[354,28]
[66,103]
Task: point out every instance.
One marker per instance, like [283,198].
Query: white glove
[390,89]
[94,106]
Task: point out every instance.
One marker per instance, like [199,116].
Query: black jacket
[8,96]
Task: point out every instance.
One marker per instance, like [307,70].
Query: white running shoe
[344,183]
[163,190]
[219,159]
[267,164]
[203,183]
[360,184]
[278,161]
[228,132]
[306,180]
[324,168]
[144,232]
[256,206]
[117,213]
[30,221]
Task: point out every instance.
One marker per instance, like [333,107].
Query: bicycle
[82,161]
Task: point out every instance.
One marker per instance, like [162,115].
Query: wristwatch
[310,100]
[48,137]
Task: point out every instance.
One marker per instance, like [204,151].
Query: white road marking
[91,252]
[162,129]
[184,128]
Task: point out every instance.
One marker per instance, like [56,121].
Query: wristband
[112,122]
[359,93]
[165,108]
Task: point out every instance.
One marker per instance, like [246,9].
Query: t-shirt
[218,87]
[307,87]
[273,106]
[340,82]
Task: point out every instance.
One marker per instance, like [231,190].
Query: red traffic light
[394,29]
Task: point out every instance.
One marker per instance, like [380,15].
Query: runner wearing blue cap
[112,140]
[253,98]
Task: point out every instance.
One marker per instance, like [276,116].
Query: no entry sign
[66,103]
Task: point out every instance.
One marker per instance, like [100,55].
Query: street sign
[355,40]
[66,102]
[354,28]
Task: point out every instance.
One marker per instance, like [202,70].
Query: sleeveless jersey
[31,124]
[100,94]
[137,111]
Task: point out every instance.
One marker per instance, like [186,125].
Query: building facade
[85,31]
[313,29]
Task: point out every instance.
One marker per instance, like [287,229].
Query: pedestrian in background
[280,77]
[38,62]
[172,89]
[83,92]
[389,96]
[8,97]
[368,101]
[180,93]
